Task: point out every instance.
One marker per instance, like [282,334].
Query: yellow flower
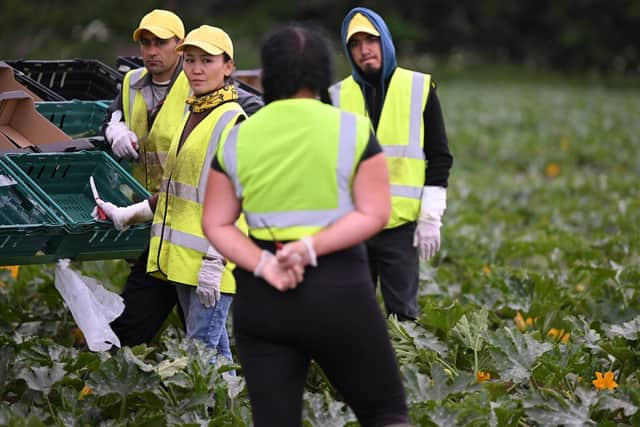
[520,323]
[552,170]
[483,376]
[559,334]
[486,269]
[13,271]
[85,391]
[605,382]
[523,324]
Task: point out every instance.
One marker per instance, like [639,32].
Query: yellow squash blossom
[521,323]
[486,269]
[552,170]
[85,391]
[605,382]
[483,376]
[559,335]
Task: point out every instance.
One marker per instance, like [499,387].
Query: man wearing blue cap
[405,113]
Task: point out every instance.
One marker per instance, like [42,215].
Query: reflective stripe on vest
[304,218]
[130,79]
[180,238]
[402,142]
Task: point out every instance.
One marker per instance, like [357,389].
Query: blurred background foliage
[589,38]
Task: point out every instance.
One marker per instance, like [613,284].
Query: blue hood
[389,63]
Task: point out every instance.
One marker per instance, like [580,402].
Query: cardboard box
[21,124]
[9,83]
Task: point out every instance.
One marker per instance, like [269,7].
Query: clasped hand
[285,270]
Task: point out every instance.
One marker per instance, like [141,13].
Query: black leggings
[332,317]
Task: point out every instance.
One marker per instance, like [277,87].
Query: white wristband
[265,256]
[308,242]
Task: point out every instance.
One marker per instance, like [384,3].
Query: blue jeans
[209,325]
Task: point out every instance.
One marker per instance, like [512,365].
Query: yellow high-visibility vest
[177,239]
[153,143]
[401,134]
[292,164]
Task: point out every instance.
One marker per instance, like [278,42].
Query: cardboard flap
[8,81]
[23,125]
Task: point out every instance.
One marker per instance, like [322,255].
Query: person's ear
[229,67]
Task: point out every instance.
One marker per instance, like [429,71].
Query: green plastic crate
[78,119]
[62,181]
[26,224]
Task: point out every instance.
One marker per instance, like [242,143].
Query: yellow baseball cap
[361,24]
[212,40]
[162,23]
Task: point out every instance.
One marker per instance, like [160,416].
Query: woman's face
[204,71]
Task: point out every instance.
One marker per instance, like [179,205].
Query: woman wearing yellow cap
[179,252]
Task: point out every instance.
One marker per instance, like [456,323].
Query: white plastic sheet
[93,307]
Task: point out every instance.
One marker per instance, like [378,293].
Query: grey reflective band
[221,124]
[346,160]
[180,238]
[184,191]
[334,93]
[135,76]
[321,218]
[155,158]
[413,149]
[415,121]
[230,157]
[406,191]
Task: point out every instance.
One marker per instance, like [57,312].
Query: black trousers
[394,261]
[332,317]
[147,303]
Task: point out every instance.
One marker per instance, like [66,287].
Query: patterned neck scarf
[198,104]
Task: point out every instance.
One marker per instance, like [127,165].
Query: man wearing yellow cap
[405,113]
[140,125]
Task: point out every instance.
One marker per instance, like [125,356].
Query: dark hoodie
[374,88]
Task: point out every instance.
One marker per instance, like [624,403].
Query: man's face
[159,55]
[366,52]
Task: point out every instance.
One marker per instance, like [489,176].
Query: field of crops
[530,312]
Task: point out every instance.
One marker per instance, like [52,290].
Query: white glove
[281,278]
[124,217]
[209,279]
[427,235]
[124,142]
[265,258]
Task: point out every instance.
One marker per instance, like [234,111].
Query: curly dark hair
[293,58]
